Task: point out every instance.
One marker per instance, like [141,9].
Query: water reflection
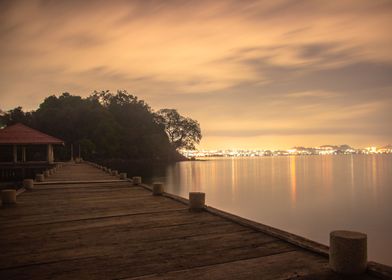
[309,196]
[374,177]
[293,180]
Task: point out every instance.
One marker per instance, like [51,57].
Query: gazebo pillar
[14,153]
[72,155]
[50,153]
[24,154]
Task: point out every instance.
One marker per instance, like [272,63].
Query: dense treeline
[107,125]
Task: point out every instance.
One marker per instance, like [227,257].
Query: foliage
[183,132]
[104,125]
[15,115]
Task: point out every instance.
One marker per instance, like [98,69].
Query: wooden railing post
[197,201]
[348,252]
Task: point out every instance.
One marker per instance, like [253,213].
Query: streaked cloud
[297,72]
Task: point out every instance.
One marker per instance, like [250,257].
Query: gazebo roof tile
[21,134]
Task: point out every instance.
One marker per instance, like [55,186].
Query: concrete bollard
[105,169]
[8,197]
[28,184]
[197,201]
[109,171]
[46,173]
[123,176]
[40,177]
[348,252]
[114,173]
[136,180]
[157,188]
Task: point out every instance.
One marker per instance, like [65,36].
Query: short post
[157,188]
[109,171]
[8,197]
[39,177]
[136,180]
[28,184]
[105,169]
[46,173]
[114,173]
[348,252]
[197,201]
[123,176]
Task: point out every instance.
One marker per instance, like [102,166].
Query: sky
[255,74]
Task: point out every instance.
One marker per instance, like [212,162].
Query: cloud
[243,65]
[333,130]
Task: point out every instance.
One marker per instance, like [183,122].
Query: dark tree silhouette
[183,132]
[106,126]
[16,115]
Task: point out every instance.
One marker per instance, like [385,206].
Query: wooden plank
[46,207]
[53,182]
[61,245]
[289,265]
[134,222]
[139,258]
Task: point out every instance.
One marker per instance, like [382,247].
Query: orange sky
[255,74]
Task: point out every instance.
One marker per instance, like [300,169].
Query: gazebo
[23,145]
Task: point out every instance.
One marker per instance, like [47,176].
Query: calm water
[306,195]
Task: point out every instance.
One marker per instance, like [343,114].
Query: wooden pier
[82,223]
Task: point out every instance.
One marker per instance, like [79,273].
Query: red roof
[21,134]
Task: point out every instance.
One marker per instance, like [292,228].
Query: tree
[182,132]
[107,126]
[141,136]
[16,115]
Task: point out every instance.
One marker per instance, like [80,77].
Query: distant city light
[322,150]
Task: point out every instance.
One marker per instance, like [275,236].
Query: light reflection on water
[306,195]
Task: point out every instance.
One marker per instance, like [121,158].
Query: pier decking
[83,224]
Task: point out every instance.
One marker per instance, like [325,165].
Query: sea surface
[306,195]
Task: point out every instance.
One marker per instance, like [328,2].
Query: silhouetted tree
[183,132]
[16,115]
[104,125]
